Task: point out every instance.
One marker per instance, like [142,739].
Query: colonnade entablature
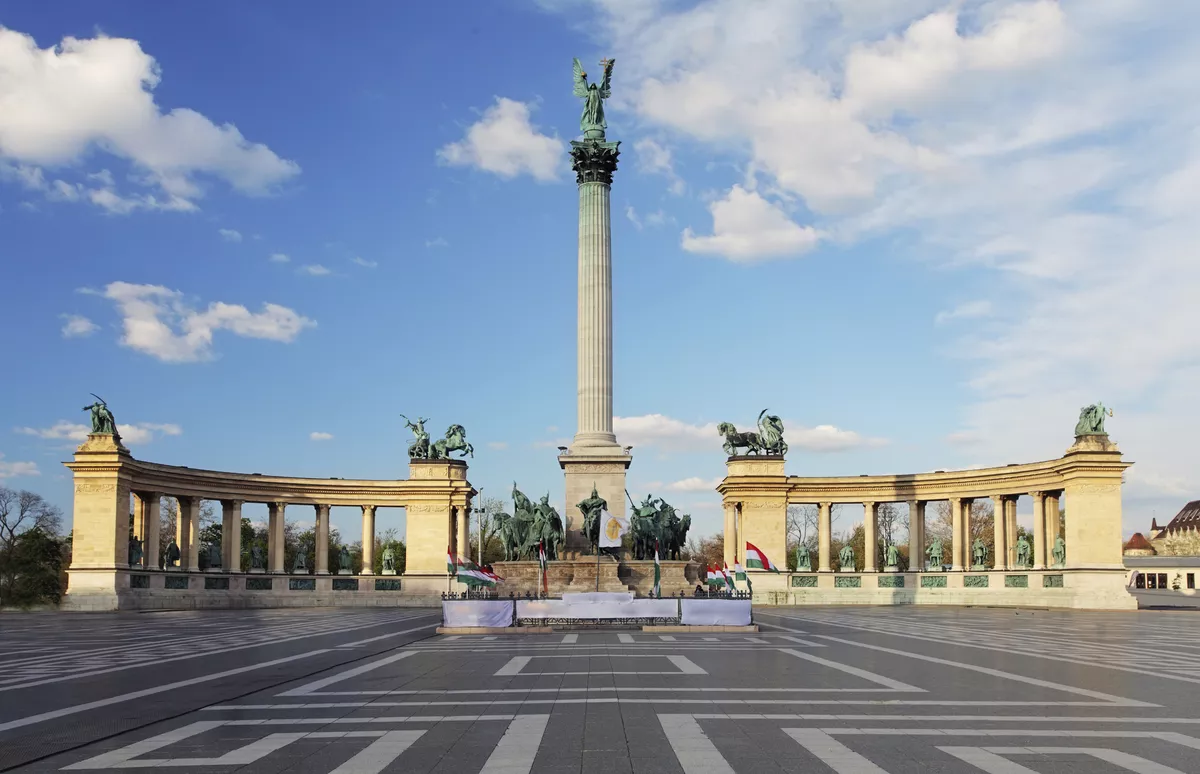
[756,493]
[436,498]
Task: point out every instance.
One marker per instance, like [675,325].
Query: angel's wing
[580,79]
[605,90]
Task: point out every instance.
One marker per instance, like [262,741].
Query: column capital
[280,504]
[368,508]
[232,503]
[825,505]
[321,507]
[955,499]
[915,502]
[594,161]
[869,503]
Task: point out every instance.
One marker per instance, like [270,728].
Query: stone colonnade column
[464,531]
[968,560]
[321,560]
[916,535]
[730,548]
[139,526]
[824,536]
[188,533]
[1053,528]
[231,535]
[870,543]
[1010,527]
[152,536]
[368,540]
[1040,552]
[956,534]
[999,533]
[275,533]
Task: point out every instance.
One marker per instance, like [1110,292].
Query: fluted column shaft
[276,515]
[1053,529]
[956,534]
[595,372]
[999,533]
[1010,520]
[188,531]
[139,526]
[231,535]
[1041,556]
[824,537]
[916,535]
[321,560]
[730,547]
[870,543]
[368,540]
[153,531]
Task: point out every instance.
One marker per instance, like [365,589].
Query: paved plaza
[866,690]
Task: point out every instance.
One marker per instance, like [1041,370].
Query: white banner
[565,608]
[611,529]
[716,612]
[493,613]
[597,596]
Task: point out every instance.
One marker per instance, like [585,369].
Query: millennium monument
[594,459]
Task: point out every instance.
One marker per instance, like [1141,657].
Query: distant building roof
[1188,518]
[1140,545]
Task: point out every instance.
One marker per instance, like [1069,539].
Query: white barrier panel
[597,596]
[716,612]
[478,612]
[566,608]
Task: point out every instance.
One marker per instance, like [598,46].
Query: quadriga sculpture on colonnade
[528,525]
[423,449]
[1091,419]
[768,439]
[657,521]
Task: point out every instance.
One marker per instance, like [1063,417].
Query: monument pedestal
[584,468]
[571,575]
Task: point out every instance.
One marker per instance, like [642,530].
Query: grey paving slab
[882,689]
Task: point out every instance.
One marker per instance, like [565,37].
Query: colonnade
[147,519]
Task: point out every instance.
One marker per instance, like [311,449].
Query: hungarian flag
[450,565]
[470,574]
[542,564]
[739,573]
[487,570]
[757,560]
[657,573]
[728,578]
[713,578]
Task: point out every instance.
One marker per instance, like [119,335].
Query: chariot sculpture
[767,441]
[423,449]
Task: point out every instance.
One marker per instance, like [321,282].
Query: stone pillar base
[583,470]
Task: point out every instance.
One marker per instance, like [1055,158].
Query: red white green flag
[713,578]
[469,573]
[451,566]
[757,560]
[728,578]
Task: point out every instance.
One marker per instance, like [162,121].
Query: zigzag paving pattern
[864,691]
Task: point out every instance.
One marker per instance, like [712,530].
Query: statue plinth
[1093,442]
[755,465]
[583,471]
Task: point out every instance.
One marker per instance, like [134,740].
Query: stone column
[730,535]
[188,533]
[321,559]
[956,534]
[916,535]
[1040,553]
[275,532]
[231,535]
[824,536]
[1053,528]
[153,531]
[139,526]
[368,540]
[999,533]
[464,531]
[1010,521]
[870,543]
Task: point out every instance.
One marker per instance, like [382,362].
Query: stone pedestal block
[561,576]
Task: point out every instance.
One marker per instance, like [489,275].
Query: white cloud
[747,228]
[632,215]
[694,484]
[505,143]
[278,258]
[315,436]
[364,262]
[827,438]
[497,445]
[230,235]
[77,326]
[663,431]
[314,270]
[965,311]
[15,469]
[156,321]
[436,242]
[60,104]
[132,434]
[654,158]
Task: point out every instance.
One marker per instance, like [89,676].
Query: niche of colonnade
[892,528]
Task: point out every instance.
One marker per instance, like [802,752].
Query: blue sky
[924,233]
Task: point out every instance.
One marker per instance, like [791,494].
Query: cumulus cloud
[314,270]
[694,484]
[77,326]
[653,158]
[16,469]
[64,103]
[278,258]
[133,434]
[230,235]
[505,143]
[827,438]
[158,322]
[748,228]
[364,262]
[663,431]
[315,436]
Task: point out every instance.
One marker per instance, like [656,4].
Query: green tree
[30,550]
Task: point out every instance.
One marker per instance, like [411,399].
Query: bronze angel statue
[592,123]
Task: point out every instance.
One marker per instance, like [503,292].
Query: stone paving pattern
[861,691]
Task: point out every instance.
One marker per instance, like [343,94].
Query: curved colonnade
[1087,479]
[436,499]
